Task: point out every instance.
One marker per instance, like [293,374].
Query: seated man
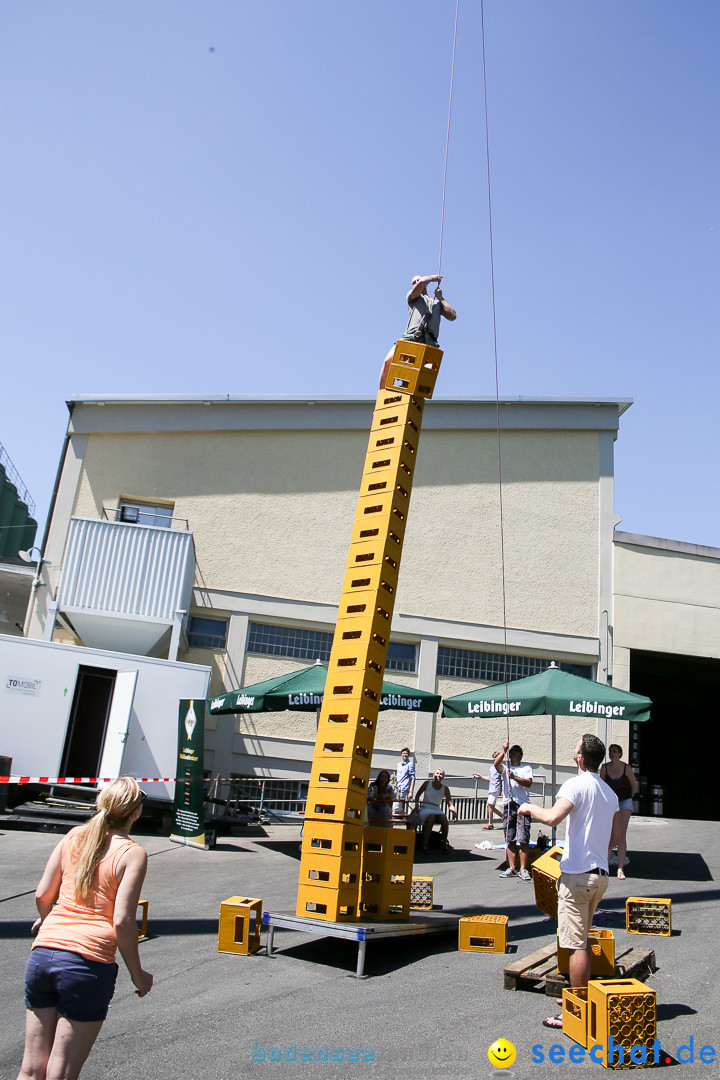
[380,800]
[434,791]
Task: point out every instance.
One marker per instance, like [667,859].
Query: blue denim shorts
[80,989]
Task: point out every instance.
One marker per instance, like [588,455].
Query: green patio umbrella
[550,693]
[302,691]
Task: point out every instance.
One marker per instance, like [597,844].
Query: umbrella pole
[553,765]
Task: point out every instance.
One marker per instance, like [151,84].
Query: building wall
[667,596]
[272,512]
[269,492]
[666,600]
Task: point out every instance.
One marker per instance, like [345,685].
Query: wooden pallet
[538,971]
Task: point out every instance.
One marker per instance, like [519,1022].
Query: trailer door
[118,722]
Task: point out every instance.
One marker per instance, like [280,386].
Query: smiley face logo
[501,1054]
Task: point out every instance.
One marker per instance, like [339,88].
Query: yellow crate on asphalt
[421,894]
[648,915]
[575,1014]
[239,925]
[622,1017]
[483,933]
[142,929]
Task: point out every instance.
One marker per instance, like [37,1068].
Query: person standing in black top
[618,775]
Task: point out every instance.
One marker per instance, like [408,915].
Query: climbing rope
[447,136]
[506,782]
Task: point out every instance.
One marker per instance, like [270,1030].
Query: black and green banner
[188,823]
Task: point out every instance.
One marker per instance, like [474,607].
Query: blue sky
[231,197]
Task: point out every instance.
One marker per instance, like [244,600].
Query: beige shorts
[578,898]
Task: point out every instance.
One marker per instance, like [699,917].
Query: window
[297,643]
[141,513]
[207,633]
[291,641]
[401,657]
[490,667]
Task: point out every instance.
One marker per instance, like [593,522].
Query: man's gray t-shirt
[419,307]
[589,823]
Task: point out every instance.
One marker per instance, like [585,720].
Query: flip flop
[488,826]
[553,1022]
[621,875]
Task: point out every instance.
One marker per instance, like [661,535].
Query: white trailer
[67,710]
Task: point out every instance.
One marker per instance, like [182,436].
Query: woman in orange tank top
[87,899]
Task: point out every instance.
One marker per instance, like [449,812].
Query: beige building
[215,530]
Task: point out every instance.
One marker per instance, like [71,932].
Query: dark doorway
[683,729]
[88,720]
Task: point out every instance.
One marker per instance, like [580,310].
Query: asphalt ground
[425,1008]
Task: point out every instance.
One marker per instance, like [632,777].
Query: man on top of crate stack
[593,814]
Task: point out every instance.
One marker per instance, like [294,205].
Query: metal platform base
[362,932]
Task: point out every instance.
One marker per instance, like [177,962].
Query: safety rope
[447,137]
[506,781]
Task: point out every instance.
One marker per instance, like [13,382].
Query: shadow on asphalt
[382,958]
[291,848]
[668,866]
[670,1010]
[20,928]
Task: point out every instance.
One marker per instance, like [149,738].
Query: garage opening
[682,736]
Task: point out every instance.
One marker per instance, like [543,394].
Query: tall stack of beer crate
[347,872]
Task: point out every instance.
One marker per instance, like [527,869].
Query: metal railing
[121,515]
[281,801]
[257,800]
[15,478]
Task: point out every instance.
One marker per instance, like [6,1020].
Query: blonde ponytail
[115,804]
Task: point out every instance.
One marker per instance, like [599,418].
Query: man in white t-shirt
[516,781]
[593,814]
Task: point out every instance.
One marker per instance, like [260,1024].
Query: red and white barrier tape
[109,779]
[80,779]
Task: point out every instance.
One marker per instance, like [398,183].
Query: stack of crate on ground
[386,878]
[618,1015]
[341,877]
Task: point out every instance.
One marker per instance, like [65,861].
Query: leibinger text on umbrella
[305,699]
[493,706]
[398,701]
[401,702]
[242,699]
[594,708]
[589,708]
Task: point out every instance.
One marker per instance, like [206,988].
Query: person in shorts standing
[87,899]
[516,783]
[404,782]
[619,776]
[494,783]
[593,815]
